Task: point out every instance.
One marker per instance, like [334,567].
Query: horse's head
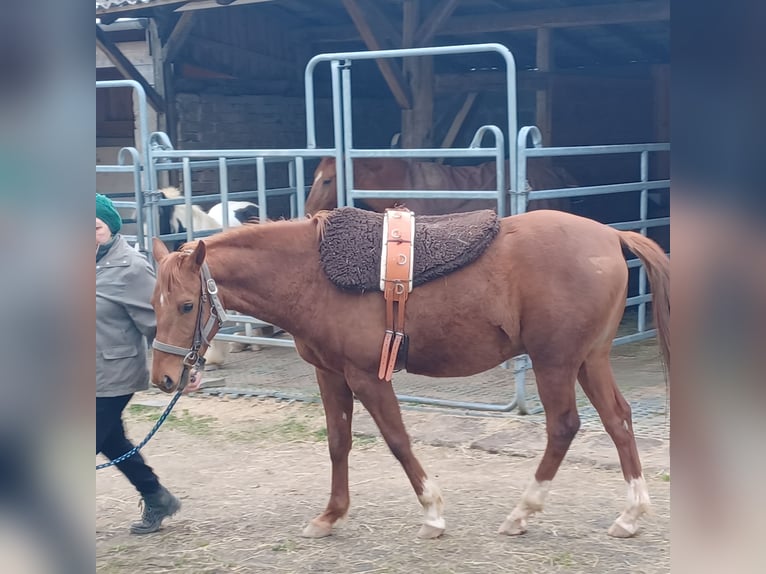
[183,302]
[324,191]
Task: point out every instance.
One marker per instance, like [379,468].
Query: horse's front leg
[338,407]
[381,402]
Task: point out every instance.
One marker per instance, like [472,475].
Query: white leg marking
[639,503]
[531,501]
[433,508]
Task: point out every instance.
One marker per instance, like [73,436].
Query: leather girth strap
[396,283]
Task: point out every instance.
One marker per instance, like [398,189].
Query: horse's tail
[657,267]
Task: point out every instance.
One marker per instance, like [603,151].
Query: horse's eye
[187,307]
[327,182]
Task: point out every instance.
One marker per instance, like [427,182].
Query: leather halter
[217,317]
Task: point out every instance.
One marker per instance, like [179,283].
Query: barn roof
[588,32]
[107,4]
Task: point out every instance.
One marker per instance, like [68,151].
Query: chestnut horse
[550,284]
[395,173]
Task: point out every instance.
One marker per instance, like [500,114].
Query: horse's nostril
[167,382]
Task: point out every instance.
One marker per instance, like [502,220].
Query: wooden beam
[238,50]
[127,69]
[410,16]
[511,21]
[533,79]
[637,42]
[544,63]
[390,70]
[457,123]
[417,123]
[568,17]
[436,18]
[386,27]
[178,36]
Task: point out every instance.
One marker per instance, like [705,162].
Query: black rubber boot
[157,507]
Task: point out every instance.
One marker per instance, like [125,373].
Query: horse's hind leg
[381,402]
[597,380]
[338,407]
[556,389]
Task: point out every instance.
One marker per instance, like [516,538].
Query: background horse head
[397,173]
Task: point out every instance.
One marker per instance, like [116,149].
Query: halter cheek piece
[201,333]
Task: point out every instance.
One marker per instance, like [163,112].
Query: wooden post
[417,123]
[158,68]
[544,96]
[164,78]
[660,163]
[390,70]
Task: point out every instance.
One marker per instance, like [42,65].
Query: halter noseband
[201,333]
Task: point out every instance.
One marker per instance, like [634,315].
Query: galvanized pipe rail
[340,68]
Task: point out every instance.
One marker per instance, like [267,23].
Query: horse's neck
[266,276]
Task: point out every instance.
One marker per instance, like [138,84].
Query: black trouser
[111,440]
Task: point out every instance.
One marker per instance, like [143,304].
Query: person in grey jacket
[124,322]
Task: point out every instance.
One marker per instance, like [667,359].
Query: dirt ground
[252,472]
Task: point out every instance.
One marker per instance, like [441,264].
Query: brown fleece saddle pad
[351,248]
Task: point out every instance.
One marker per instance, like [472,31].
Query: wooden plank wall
[114,115]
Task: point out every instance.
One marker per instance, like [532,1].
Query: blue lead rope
[140,445]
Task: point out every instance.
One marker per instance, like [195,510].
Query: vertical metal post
[337,121]
[223,186]
[520,366]
[308,82]
[644,213]
[520,201]
[188,199]
[291,185]
[300,191]
[348,131]
[502,194]
[510,79]
[260,170]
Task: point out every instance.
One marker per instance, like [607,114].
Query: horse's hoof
[513,527]
[317,530]
[428,532]
[618,530]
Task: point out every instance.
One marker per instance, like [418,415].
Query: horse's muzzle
[167,384]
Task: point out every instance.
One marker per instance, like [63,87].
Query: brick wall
[215,121]
[212,121]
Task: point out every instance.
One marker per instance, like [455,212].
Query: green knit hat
[106,212]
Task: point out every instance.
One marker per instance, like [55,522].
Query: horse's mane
[321,222]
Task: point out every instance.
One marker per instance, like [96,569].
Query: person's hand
[195,381]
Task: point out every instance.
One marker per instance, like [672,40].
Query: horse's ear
[159,249]
[198,255]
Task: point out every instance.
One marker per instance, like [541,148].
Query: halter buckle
[191,358]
